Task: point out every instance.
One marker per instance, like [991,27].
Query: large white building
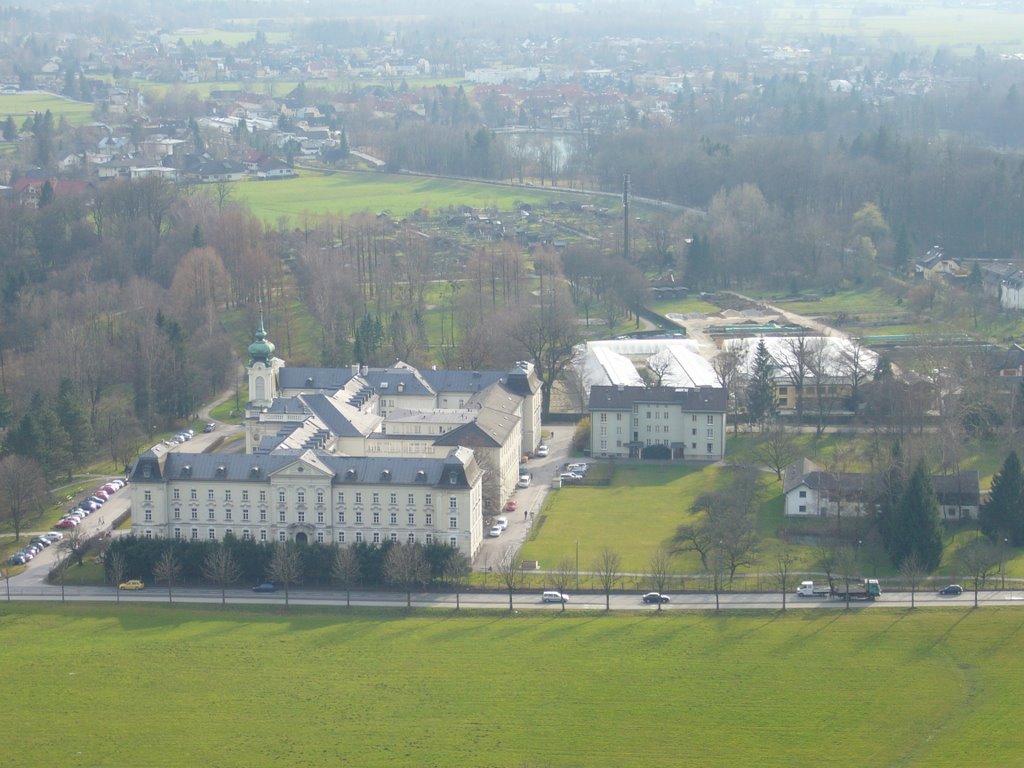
[309,496]
[688,423]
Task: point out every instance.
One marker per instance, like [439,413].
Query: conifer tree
[1002,516]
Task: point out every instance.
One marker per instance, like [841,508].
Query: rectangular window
[210,514]
[177,533]
[604,418]
[320,517]
[147,495]
[428,500]
[341,497]
[149,534]
[359,536]
[394,518]
[359,517]
[341,537]
[263,535]
[192,494]
[301,515]
[428,519]
[263,495]
[245,534]
[453,522]
[319,537]
[393,498]
[281,536]
[618,417]
[376,517]
[195,513]
[803,494]
[693,432]
[376,498]
[711,433]
[376,537]
[195,534]
[711,419]
[411,538]
[710,447]
[319,497]
[177,514]
[412,499]
[227,495]
[280,496]
[394,536]
[227,516]
[177,494]
[453,502]
[212,534]
[209,495]
[280,516]
[263,515]
[300,497]
[604,445]
[429,538]
[412,518]
[453,542]
[245,495]
[359,497]
[341,517]
[245,515]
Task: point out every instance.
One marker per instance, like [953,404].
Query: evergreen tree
[10,129]
[761,403]
[46,194]
[71,415]
[914,526]
[901,253]
[1002,516]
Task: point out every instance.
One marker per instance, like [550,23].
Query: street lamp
[1002,564]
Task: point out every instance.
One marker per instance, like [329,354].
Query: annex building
[687,422]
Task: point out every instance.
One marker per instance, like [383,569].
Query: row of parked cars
[74,516]
[34,547]
[184,436]
[574,472]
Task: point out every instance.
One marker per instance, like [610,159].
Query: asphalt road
[499,600]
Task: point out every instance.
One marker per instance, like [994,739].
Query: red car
[510,505]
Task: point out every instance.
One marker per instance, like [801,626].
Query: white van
[553,596]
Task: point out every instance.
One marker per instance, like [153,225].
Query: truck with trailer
[860,589]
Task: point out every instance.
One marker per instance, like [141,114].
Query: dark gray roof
[208,467]
[461,381]
[961,489]
[321,379]
[701,399]
[333,419]
[396,381]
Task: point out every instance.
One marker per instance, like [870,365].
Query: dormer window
[221,470]
[350,474]
[421,476]
[453,478]
[385,476]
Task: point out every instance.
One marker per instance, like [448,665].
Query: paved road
[499,600]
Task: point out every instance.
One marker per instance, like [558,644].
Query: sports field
[105,685]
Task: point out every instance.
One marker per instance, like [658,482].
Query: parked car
[54,536]
[579,467]
[40,541]
[18,559]
[569,477]
[952,589]
[542,451]
[655,597]
[501,522]
[67,522]
[266,586]
[131,584]
[209,427]
[524,480]
[511,505]
[495,532]
[553,596]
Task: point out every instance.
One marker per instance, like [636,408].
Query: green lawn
[315,194]
[20,105]
[181,686]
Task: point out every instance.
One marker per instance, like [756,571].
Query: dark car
[264,587]
[952,589]
[655,597]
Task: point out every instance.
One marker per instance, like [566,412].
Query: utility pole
[625,216]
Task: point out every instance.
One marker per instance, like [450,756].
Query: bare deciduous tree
[784,562]
[285,566]
[116,569]
[660,569]
[221,568]
[912,569]
[23,491]
[607,567]
[510,572]
[979,559]
[345,570]
[777,449]
[166,569]
[563,575]
[406,566]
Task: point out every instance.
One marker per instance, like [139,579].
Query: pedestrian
[526,514]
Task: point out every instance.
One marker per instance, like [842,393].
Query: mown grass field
[21,105]
[316,194]
[146,686]
[928,23]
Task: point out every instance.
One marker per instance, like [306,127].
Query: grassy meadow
[313,194]
[160,685]
[21,105]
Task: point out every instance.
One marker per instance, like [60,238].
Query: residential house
[811,491]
